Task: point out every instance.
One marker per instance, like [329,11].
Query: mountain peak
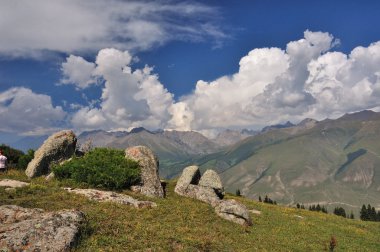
[364,115]
[138,130]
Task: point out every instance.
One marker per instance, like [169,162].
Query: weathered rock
[57,148]
[205,194]
[150,180]
[12,183]
[108,196]
[50,177]
[190,175]
[233,211]
[25,229]
[211,179]
[209,189]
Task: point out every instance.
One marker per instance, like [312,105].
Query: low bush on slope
[100,168]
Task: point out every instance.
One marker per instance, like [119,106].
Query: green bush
[12,154]
[100,168]
[24,160]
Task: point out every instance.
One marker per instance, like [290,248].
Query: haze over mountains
[330,161]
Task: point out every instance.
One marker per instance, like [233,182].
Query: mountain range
[333,162]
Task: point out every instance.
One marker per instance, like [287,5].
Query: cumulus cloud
[23,111]
[31,28]
[130,98]
[272,85]
[306,79]
[78,71]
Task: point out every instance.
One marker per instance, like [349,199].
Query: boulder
[108,196]
[190,175]
[212,180]
[204,194]
[57,148]
[24,229]
[233,211]
[148,162]
[12,183]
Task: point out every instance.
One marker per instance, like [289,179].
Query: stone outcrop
[23,229]
[212,180]
[57,148]
[209,189]
[190,175]
[108,196]
[12,183]
[233,211]
[148,162]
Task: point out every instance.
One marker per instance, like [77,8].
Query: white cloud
[273,86]
[130,98]
[30,28]
[23,111]
[78,71]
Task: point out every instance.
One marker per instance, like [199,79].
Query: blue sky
[297,59]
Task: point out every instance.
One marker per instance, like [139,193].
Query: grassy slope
[303,167]
[182,224]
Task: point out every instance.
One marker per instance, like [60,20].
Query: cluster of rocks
[23,229]
[208,188]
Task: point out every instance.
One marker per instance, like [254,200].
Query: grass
[182,224]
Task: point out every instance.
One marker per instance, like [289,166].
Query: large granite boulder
[24,229]
[204,194]
[190,175]
[233,211]
[150,180]
[57,148]
[108,196]
[212,180]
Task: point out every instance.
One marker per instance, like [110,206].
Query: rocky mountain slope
[332,161]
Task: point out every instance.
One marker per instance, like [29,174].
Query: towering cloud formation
[272,86]
[129,97]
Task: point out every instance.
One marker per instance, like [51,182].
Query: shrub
[24,160]
[100,168]
[12,154]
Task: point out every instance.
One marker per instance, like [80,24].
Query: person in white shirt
[3,162]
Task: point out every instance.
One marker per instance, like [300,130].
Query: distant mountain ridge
[326,161]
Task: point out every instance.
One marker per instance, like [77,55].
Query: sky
[184,65]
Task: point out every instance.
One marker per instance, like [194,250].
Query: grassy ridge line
[182,224]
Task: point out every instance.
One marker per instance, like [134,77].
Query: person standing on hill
[3,162]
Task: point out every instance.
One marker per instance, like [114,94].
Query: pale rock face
[148,162]
[108,196]
[233,211]
[190,175]
[12,183]
[209,189]
[57,148]
[212,180]
[24,229]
